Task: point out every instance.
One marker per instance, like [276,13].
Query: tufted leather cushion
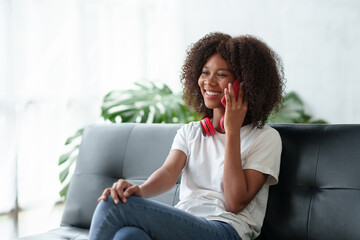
[318,195]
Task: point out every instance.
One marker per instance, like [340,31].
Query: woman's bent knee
[131,233]
[108,203]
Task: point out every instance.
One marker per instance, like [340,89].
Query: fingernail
[116,201]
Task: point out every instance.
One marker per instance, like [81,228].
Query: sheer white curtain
[58,59]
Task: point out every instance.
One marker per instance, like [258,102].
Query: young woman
[227,164]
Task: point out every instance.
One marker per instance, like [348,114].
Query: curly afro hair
[258,67]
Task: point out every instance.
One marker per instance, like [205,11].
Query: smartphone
[236,86]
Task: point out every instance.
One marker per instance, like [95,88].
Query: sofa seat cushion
[62,233]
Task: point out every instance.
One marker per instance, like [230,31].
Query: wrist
[140,193]
[232,133]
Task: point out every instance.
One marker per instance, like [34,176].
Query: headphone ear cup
[204,128]
[222,123]
[207,127]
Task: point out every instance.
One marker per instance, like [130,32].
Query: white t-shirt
[201,189]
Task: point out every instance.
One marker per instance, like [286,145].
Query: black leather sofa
[318,196]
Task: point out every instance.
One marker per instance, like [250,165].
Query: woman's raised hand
[235,110]
[120,190]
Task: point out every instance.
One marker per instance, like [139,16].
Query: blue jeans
[141,218]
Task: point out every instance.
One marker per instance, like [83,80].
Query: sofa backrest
[317,196]
[112,151]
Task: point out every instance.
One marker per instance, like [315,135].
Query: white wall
[317,40]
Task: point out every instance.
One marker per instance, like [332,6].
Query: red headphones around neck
[206,125]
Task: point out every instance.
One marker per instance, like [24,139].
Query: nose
[210,79]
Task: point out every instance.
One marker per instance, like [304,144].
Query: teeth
[212,93]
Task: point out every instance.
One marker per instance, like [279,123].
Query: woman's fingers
[230,96]
[236,108]
[227,98]
[104,195]
[231,92]
[116,191]
[120,187]
[240,102]
[133,190]
[113,193]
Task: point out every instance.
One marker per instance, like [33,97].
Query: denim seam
[112,208]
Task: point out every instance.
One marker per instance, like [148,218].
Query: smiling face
[215,77]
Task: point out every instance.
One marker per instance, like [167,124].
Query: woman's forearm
[159,182]
[165,177]
[240,186]
[235,184]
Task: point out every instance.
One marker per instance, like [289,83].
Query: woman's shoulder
[269,130]
[191,126]
[264,132]
[190,130]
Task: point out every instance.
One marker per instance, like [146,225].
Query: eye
[205,73]
[222,75]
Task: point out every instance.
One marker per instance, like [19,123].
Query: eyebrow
[223,69]
[220,69]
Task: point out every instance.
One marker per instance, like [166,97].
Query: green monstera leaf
[147,103]
[293,111]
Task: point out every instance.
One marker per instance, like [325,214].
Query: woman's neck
[217,115]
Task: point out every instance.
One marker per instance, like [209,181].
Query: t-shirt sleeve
[265,154]
[180,142]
